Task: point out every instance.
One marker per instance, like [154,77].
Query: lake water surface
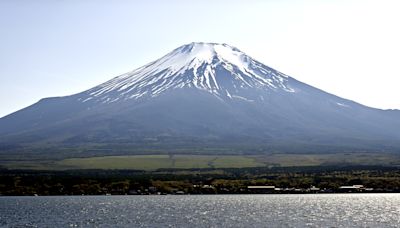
[319,210]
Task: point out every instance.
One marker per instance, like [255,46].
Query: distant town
[289,180]
[257,189]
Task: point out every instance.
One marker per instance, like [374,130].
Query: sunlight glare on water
[327,210]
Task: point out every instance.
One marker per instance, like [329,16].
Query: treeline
[201,181]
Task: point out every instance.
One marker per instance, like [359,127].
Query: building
[261,189]
[351,188]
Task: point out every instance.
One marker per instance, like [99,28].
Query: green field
[154,162]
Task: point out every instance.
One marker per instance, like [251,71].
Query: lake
[327,210]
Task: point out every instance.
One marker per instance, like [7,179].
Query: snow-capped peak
[219,69]
[193,55]
[206,52]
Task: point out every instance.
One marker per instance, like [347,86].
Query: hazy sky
[54,48]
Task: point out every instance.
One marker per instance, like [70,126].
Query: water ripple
[327,210]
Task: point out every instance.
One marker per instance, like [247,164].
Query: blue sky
[56,48]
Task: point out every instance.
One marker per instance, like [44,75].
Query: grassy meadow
[154,162]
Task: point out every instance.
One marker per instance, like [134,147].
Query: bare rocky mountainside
[201,98]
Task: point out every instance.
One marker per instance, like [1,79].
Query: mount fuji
[200,98]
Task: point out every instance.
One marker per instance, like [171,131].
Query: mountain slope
[199,96]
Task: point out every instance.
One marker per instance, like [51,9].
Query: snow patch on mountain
[342,105]
[219,69]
